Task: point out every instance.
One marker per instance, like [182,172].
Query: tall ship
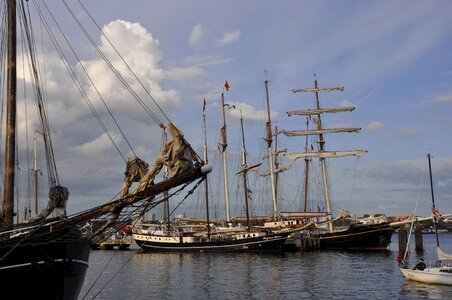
[369,234]
[48,251]
[206,236]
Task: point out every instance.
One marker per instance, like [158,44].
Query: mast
[206,161]
[322,161]
[244,166]
[322,154]
[224,145]
[306,177]
[434,211]
[35,175]
[269,140]
[276,163]
[10,156]
[166,210]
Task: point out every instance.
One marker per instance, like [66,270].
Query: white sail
[325,154]
[319,131]
[443,255]
[310,112]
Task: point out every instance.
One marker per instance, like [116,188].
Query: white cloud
[442,99]
[229,38]
[196,35]
[407,132]
[375,125]
[249,113]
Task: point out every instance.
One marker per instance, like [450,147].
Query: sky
[394,59]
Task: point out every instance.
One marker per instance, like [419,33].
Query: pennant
[204,106]
[227,86]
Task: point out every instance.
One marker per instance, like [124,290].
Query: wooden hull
[48,269]
[429,275]
[268,243]
[358,237]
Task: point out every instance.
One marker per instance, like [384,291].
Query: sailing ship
[357,236]
[206,237]
[50,254]
[440,273]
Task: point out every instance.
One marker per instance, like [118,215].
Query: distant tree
[366,215]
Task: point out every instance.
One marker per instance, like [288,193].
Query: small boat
[440,273]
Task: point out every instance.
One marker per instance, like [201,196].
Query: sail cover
[319,131]
[443,255]
[310,112]
[177,155]
[325,154]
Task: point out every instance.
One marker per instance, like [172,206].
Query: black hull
[268,243]
[46,270]
[359,237]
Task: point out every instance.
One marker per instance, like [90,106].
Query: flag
[204,106]
[226,86]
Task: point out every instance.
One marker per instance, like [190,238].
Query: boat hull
[268,243]
[49,270]
[358,237]
[429,275]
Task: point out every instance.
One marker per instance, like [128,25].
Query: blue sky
[394,59]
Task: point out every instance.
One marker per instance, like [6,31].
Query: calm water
[311,275]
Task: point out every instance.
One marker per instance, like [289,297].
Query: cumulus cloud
[375,125]
[142,53]
[229,37]
[249,113]
[443,99]
[196,35]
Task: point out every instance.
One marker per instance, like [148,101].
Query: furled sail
[325,154]
[177,155]
[310,112]
[319,131]
[443,255]
[340,89]
[276,171]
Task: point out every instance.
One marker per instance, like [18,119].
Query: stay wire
[76,81]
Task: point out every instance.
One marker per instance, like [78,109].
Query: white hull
[429,275]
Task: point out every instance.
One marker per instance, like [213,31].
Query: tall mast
[322,160]
[225,166]
[435,225]
[166,209]
[306,177]
[244,166]
[276,164]
[269,140]
[10,156]
[206,161]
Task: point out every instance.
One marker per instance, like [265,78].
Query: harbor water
[133,274]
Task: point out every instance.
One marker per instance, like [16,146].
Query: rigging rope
[115,70]
[77,82]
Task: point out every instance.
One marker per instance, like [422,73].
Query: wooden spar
[133,198]
[276,164]
[270,156]
[10,143]
[35,174]
[435,225]
[244,166]
[206,185]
